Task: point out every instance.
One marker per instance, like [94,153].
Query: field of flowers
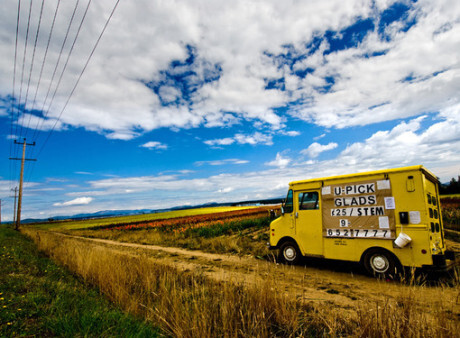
[206,225]
[123,220]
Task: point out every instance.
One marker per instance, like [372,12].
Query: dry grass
[187,304]
[249,241]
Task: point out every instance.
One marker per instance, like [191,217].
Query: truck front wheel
[289,253]
[380,263]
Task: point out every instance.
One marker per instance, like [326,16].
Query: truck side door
[309,228]
[289,212]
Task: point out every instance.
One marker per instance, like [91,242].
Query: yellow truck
[385,219]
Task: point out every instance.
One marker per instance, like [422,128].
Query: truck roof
[427,173]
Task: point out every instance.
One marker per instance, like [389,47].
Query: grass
[239,237]
[451,213]
[99,222]
[188,304]
[449,196]
[40,298]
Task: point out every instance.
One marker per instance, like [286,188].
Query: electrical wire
[14,86]
[30,168]
[63,71]
[32,63]
[60,55]
[67,60]
[22,73]
[43,66]
[80,76]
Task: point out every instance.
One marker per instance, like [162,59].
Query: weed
[188,304]
[39,298]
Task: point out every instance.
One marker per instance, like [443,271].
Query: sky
[189,102]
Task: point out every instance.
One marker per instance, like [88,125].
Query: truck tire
[382,264]
[289,253]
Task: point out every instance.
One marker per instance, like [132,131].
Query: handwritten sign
[359,210]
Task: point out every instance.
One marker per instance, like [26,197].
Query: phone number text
[359,233]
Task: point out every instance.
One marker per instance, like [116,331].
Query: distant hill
[117,213]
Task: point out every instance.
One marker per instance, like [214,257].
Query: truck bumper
[270,247]
[443,263]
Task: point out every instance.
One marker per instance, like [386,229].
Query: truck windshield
[288,205]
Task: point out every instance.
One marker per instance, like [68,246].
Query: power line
[32,62]
[23,65]
[59,57]
[80,76]
[30,169]
[68,58]
[14,86]
[43,65]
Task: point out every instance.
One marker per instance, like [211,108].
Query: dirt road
[336,283]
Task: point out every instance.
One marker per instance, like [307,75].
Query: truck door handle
[296,215]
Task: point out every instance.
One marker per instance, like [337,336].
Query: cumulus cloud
[256,138]
[407,143]
[220,142]
[315,149]
[76,201]
[397,71]
[279,161]
[154,145]
[186,64]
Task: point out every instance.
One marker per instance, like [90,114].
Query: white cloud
[154,145]
[76,201]
[83,173]
[256,138]
[407,143]
[316,138]
[227,78]
[220,142]
[414,72]
[291,133]
[39,123]
[279,161]
[315,149]
[221,162]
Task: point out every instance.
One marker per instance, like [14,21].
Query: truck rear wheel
[289,253]
[381,263]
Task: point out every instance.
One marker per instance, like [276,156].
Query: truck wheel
[289,253]
[380,263]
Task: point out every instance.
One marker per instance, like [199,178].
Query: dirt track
[336,284]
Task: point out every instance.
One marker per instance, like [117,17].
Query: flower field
[205,225]
[99,223]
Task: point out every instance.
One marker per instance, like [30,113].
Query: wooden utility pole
[21,179]
[15,196]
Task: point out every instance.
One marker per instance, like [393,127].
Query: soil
[330,282]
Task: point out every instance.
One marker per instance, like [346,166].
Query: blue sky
[188,102]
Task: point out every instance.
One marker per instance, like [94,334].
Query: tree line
[453,187]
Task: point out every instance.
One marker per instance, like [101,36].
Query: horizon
[187,103]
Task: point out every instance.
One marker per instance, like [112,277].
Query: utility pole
[15,196]
[23,159]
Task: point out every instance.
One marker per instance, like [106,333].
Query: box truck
[385,219]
